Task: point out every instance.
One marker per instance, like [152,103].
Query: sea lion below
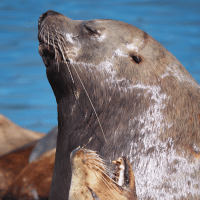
[26,172]
[34,180]
[11,165]
[119,92]
[91,179]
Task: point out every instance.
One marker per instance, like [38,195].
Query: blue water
[25,94]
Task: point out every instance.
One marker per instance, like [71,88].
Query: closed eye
[91,29]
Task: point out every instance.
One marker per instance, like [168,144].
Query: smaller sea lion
[11,165]
[91,179]
[33,182]
[13,136]
[26,171]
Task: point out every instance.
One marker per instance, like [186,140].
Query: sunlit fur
[91,179]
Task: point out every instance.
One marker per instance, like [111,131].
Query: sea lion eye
[137,59]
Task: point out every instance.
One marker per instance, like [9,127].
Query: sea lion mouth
[48,47]
[50,40]
[94,177]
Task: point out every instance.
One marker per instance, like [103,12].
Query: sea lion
[91,179]
[33,181]
[22,170]
[13,136]
[11,165]
[120,92]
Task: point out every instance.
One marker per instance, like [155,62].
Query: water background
[25,94]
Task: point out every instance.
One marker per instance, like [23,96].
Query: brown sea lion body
[119,92]
[26,171]
[11,165]
[34,180]
[13,136]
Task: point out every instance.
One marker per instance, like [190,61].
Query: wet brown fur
[11,165]
[34,180]
[20,179]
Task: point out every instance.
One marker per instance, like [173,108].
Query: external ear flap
[94,27]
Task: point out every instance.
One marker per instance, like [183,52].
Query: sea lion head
[107,53]
[96,63]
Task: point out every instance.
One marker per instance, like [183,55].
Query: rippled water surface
[25,94]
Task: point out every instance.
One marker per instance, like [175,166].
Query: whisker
[104,173]
[110,178]
[85,92]
[99,160]
[41,31]
[107,184]
[128,190]
[48,35]
[107,169]
[87,142]
[65,60]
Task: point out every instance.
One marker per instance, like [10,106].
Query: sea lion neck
[82,107]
